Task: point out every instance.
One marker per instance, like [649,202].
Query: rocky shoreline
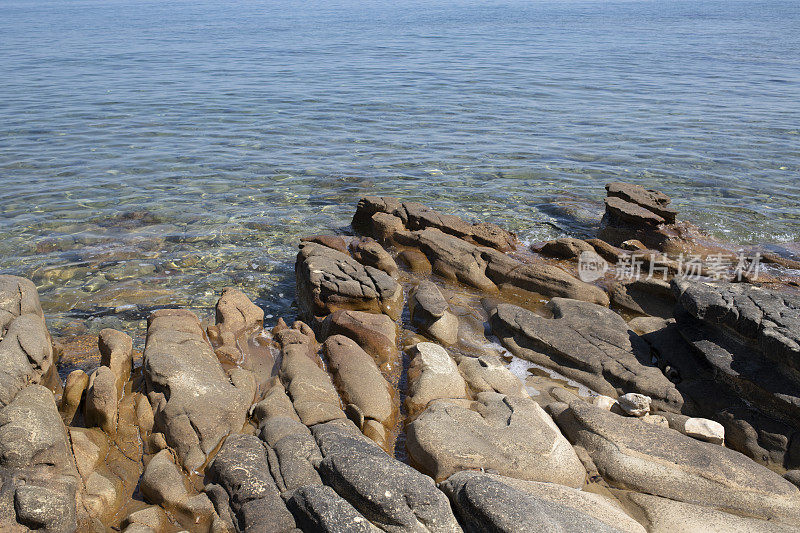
[440,376]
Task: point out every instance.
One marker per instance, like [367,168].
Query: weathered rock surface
[328,280]
[485,503]
[645,296]
[431,313]
[432,375]
[26,350]
[654,201]
[195,402]
[486,373]
[375,333]
[249,494]
[660,461]
[361,384]
[602,508]
[116,353]
[512,436]
[101,401]
[293,454]
[319,508]
[566,248]
[310,388]
[634,404]
[748,339]
[588,343]
[670,516]
[461,253]
[369,252]
[39,478]
[390,494]
[416,216]
[74,387]
[704,429]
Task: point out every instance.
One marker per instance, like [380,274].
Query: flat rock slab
[647,458]
[511,436]
[328,280]
[669,516]
[195,402]
[390,494]
[654,201]
[485,503]
[588,343]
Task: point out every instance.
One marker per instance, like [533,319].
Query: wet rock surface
[583,417]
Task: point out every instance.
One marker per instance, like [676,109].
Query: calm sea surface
[154,152]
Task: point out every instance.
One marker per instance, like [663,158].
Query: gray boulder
[319,508]
[195,402]
[588,343]
[660,461]
[249,496]
[431,313]
[388,493]
[511,436]
[328,280]
[37,472]
[484,503]
[26,350]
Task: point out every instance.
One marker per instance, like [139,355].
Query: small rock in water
[634,404]
[705,429]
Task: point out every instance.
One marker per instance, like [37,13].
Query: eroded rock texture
[588,343]
[39,478]
[195,402]
[634,455]
[460,252]
[511,436]
[26,350]
[328,280]
[748,339]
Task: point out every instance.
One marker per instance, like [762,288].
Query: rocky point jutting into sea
[441,376]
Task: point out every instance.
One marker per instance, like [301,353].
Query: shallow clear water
[154,152]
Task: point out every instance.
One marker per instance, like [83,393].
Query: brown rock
[101,401]
[328,280]
[116,352]
[367,251]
